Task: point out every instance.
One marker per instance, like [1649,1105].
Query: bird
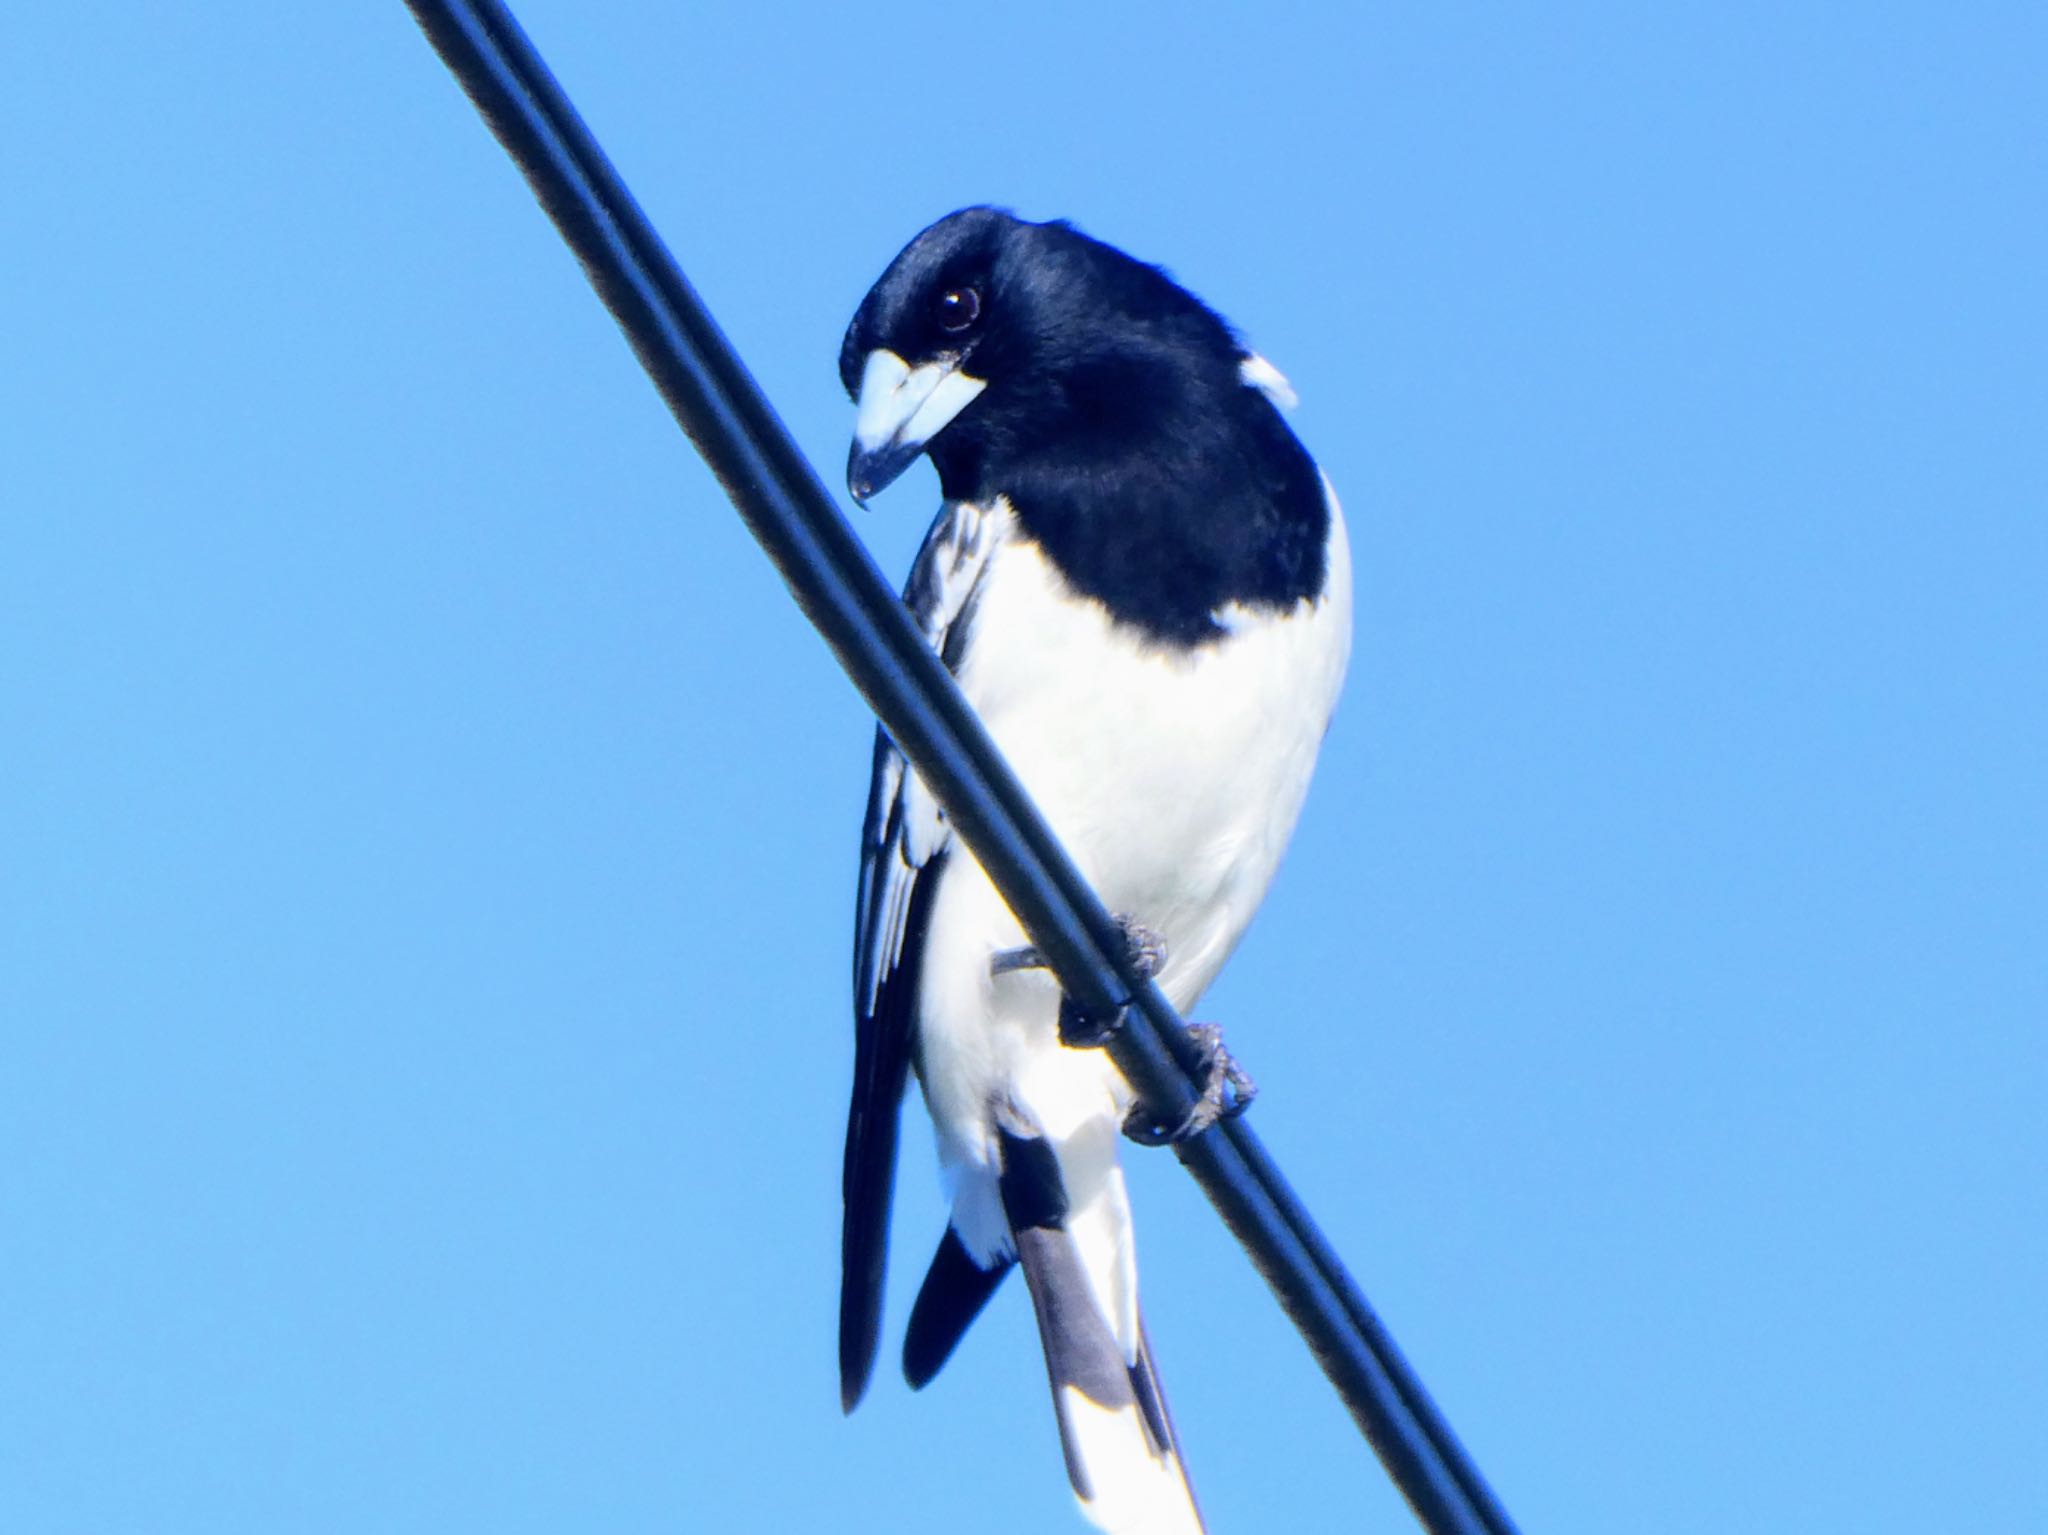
[1141,581]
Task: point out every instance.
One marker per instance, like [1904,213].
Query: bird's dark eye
[958,308]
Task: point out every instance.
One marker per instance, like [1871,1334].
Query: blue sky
[427,828]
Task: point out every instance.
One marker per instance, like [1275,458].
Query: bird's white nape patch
[902,404]
[1268,380]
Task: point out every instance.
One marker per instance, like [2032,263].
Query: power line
[853,606]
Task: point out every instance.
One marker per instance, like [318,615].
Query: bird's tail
[1071,1222]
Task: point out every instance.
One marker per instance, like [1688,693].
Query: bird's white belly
[1172,778]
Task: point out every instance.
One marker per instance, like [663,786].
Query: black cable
[836,584]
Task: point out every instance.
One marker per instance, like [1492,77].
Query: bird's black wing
[904,847]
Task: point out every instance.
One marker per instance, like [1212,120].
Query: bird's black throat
[1162,507]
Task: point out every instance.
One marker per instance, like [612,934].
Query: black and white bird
[1141,581]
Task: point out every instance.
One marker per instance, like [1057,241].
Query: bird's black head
[990,338]
[1135,440]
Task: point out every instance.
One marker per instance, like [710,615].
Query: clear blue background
[427,828]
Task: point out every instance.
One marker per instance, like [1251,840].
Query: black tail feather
[955,1290]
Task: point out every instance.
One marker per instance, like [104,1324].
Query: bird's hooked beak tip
[870,471]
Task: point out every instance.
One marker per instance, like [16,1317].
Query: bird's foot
[1227,1091]
[1080,1029]
[1083,1030]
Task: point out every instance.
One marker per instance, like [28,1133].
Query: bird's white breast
[1173,777]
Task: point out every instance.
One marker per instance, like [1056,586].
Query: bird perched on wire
[1141,581]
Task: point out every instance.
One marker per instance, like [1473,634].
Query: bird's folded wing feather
[904,845]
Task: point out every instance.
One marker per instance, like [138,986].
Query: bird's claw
[1145,949]
[1227,1091]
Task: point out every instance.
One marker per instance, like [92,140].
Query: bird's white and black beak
[902,408]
